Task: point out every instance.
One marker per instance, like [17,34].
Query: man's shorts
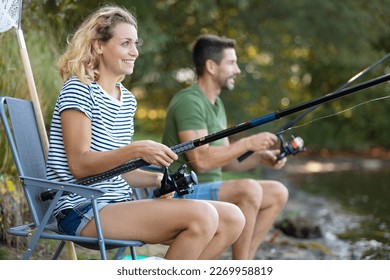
[72,221]
[207,191]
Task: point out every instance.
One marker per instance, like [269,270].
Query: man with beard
[198,111]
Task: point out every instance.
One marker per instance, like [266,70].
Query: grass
[13,81]
[46,248]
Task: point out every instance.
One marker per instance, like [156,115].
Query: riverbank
[307,213]
[322,221]
[310,226]
[307,230]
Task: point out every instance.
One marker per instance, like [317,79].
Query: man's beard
[227,85]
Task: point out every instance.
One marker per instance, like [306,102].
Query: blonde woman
[91,132]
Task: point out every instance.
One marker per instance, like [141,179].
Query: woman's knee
[236,218]
[203,218]
[231,219]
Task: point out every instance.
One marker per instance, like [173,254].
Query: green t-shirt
[191,110]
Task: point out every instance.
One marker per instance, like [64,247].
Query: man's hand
[260,142]
[268,158]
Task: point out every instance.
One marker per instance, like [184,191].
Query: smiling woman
[117,57]
[117,32]
[92,132]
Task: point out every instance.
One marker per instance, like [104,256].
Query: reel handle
[293,147]
[244,156]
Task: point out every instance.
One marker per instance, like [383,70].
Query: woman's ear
[98,47]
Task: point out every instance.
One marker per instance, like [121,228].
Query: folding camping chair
[22,133]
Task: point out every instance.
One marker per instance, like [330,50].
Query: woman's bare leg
[231,223]
[188,225]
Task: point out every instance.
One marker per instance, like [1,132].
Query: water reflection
[359,185]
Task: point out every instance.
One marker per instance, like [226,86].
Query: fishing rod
[296,144]
[192,144]
[361,73]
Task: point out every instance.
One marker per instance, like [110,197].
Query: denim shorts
[71,221]
[206,191]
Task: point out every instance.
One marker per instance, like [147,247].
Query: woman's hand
[154,153]
[168,195]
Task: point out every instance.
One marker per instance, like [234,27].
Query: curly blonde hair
[80,58]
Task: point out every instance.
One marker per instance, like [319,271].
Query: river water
[360,185]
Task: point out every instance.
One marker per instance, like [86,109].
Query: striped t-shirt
[112,123]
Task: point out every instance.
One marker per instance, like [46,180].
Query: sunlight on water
[361,186]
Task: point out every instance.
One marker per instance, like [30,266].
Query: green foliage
[14,83]
[289,52]
[12,210]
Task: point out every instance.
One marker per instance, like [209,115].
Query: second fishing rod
[296,144]
[189,145]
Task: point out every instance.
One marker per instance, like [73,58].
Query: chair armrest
[85,191]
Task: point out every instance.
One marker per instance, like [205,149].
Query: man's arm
[208,157]
[267,158]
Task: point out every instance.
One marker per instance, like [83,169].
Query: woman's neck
[110,87]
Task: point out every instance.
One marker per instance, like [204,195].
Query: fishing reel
[180,182]
[292,147]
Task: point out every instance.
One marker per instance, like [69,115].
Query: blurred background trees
[289,52]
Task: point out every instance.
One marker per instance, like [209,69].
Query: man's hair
[80,58]
[209,47]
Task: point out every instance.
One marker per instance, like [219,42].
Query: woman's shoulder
[74,86]
[74,89]
[75,82]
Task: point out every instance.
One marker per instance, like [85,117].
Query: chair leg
[133,253]
[41,227]
[119,253]
[59,250]
[99,231]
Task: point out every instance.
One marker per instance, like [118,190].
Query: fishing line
[337,113]
[291,123]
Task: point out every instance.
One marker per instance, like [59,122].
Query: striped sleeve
[77,96]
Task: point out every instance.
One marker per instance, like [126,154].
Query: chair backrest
[22,132]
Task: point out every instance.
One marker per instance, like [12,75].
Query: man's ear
[210,67]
